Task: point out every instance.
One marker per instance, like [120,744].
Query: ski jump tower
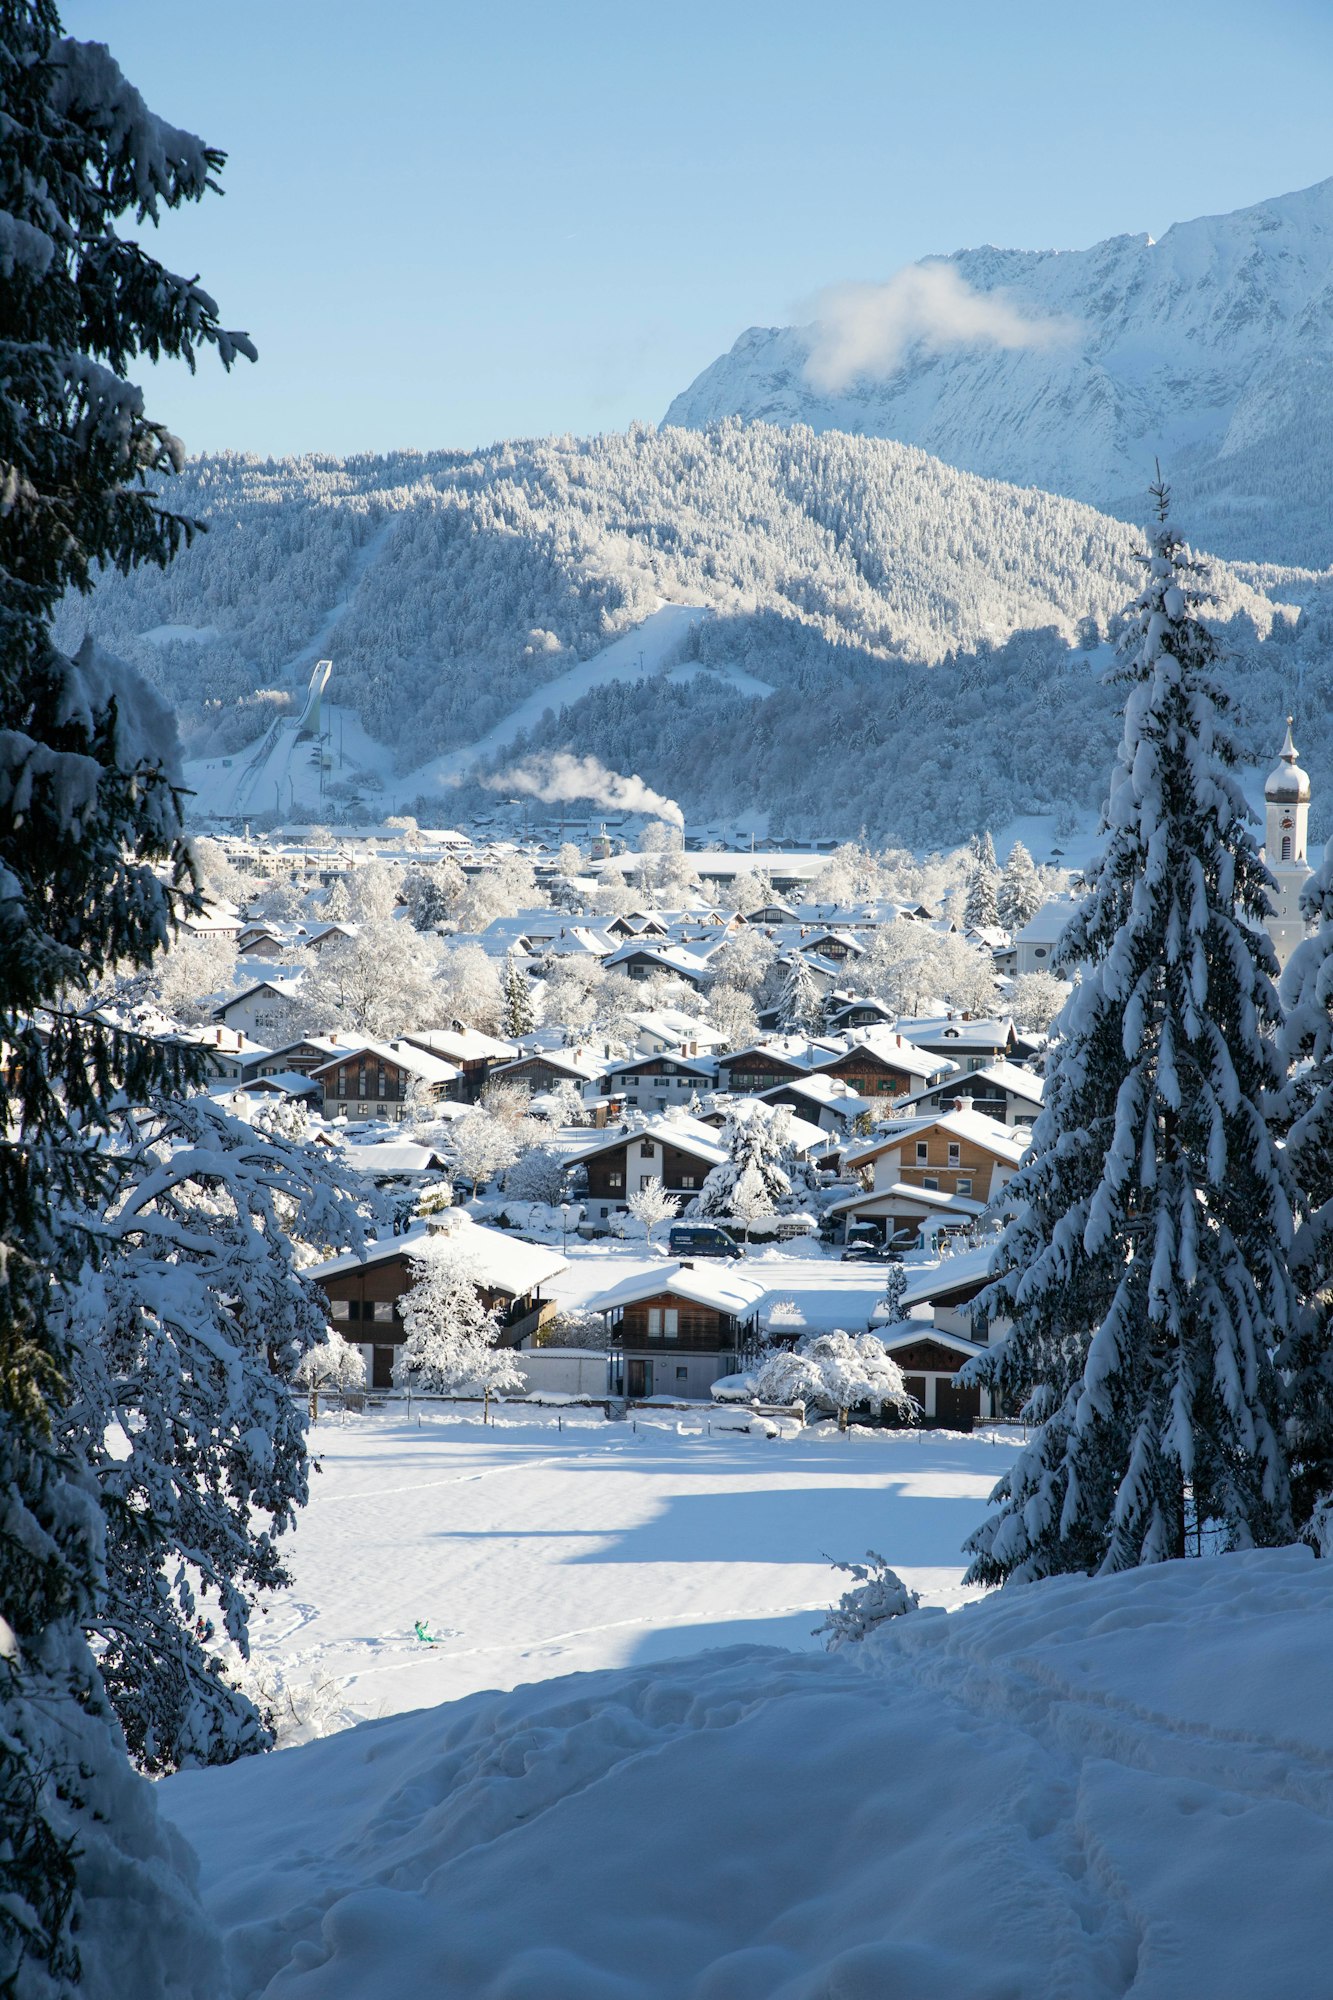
[308,720]
[1287,812]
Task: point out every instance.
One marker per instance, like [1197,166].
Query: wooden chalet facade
[749,1072]
[675,1332]
[363,1296]
[620,1167]
[544,1071]
[372,1080]
[873,1072]
[654,1083]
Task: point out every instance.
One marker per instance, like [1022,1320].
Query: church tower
[1287,810]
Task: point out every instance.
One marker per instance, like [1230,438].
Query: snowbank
[1077,1788]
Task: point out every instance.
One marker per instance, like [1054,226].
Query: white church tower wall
[1287,815]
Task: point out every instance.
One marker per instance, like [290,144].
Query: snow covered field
[542,1544]
[1073,1791]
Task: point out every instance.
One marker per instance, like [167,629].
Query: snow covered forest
[936,622]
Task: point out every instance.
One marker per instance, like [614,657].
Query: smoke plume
[553,779]
[862,331]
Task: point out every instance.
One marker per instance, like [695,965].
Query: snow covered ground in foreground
[1075,1789]
[534,1550]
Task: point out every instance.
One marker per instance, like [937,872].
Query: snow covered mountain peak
[1210,349]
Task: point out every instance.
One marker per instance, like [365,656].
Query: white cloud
[862,331]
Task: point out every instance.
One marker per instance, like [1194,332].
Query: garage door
[957,1409]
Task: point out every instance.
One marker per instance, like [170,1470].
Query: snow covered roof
[461,1045]
[1004,1142]
[1012,1077]
[393,1156]
[688,1135]
[989,1034]
[1046,924]
[578,1064]
[890,1047]
[881,1201]
[671,957]
[431,1069]
[722,1289]
[499,1261]
[965,1272]
[899,1335]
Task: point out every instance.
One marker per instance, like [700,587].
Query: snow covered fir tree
[1146,1272]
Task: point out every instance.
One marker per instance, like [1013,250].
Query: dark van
[703,1240]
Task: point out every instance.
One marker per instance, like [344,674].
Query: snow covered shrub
[879,1594]
[838,1372]
[335,1365]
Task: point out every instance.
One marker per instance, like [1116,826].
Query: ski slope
[281,771]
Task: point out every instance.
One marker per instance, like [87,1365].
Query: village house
[886,1065]
[656,1082]
[364,1293]
[958,1039]
[639,962]
[542,1070]
[679,1152]
[370,1079]
[263,1011]
[931,1345]
[952,1153]
[1035,943]
[676,1329]
[472,1054]
[750,1071]
[1003,1091]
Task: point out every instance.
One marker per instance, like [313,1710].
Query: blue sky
[447,223]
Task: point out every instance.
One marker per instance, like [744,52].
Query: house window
[929,1181]
[955,1154]
[382,1309]
[682,1374]
[654,1322]
[1286,847]
[1039,951]
[671,1324]
[361,1077]
[647,1150]
[964,1184]
[615,1180]
[922,1152]
[338,1309]
[689,1181]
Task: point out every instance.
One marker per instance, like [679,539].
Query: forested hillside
[934,640]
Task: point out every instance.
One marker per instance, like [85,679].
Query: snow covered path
[533,1550]
[1076,1791]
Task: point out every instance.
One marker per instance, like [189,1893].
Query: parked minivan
[703,1240]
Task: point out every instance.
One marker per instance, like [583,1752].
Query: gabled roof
[704,1285]
[461,1045]
[992,1033]
[1001,1075]
[966,1272]
[687,1135]
[886,1047]
[500,1262]
[1003,1142]
[577,1064]
[671,957]
[903,1195]
[703,1069]
[431,1069]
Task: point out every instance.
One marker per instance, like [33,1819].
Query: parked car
[703,1240]
[862,1252]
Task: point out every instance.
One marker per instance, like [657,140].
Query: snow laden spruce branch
[93,868]
[1147,1273]
[186,1334]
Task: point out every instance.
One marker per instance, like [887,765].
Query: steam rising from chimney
[562,776]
